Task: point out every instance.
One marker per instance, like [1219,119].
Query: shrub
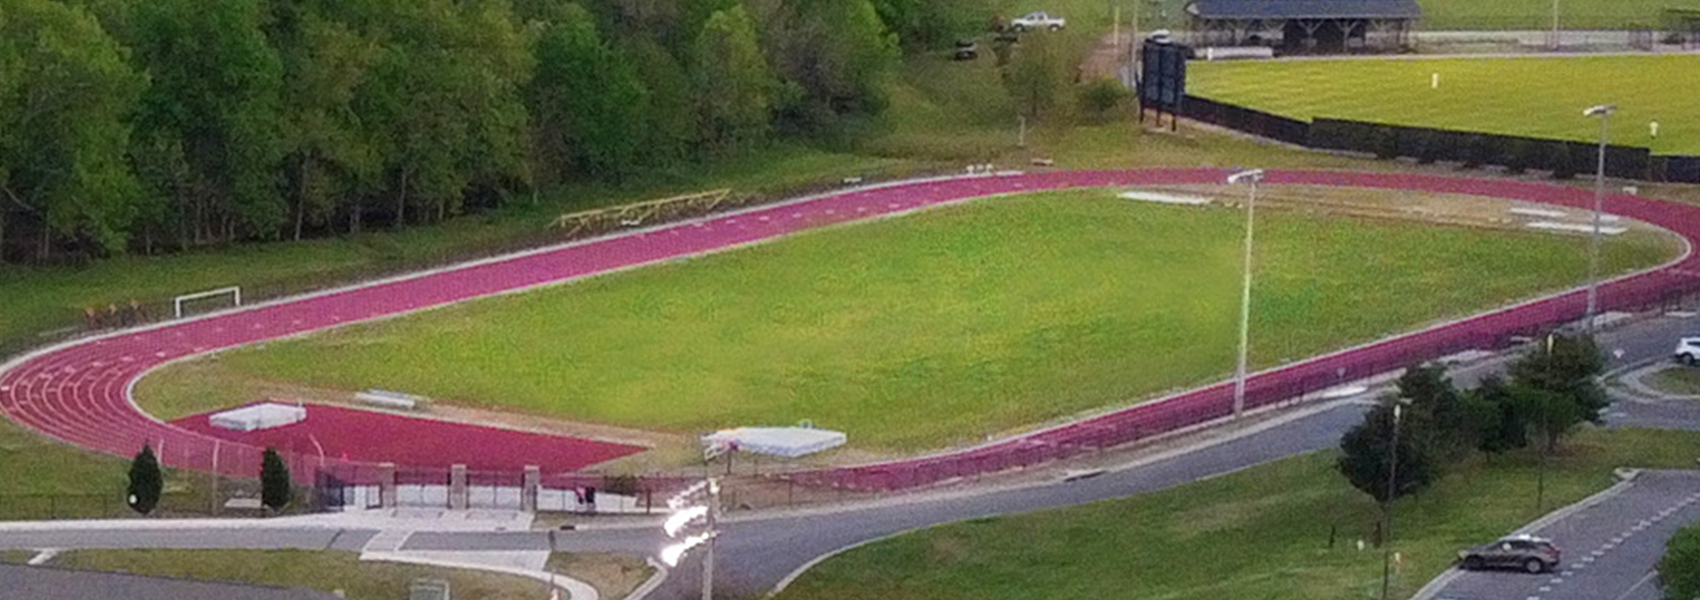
[147,481]
[1102,96]
[274,481]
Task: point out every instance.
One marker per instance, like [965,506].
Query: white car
[1038,20]
[1688,351]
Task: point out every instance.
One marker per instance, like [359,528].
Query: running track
[79,392]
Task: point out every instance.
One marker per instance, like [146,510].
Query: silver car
[1527,553]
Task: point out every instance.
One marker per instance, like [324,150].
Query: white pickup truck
[1038,20]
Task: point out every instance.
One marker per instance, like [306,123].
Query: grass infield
[929,330]
[1677,380]
[1261,533]
[1538,96]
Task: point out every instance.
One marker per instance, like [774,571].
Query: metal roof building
[1305,26]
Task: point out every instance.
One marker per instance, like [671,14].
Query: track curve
[80,391]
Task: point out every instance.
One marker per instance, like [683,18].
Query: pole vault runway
[80,392]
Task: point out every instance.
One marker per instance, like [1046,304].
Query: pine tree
[146,482]
[274,481]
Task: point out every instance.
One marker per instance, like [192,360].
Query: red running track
[79,392]
[346,435]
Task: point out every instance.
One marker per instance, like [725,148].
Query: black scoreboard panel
[1162,81]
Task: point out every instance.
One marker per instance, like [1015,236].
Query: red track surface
[79,392]
[347,435]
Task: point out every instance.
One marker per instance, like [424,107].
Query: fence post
[528,488]
[386,485]
[457,487]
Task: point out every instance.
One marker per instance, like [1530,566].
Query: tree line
[166,124]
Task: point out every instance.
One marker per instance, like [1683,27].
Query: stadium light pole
[1387,507]
[1604,112]
[1250,178]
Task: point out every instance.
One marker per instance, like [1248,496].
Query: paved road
[1609,549]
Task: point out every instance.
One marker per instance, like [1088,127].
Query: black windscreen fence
[1565,159]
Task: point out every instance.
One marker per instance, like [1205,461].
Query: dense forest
[156,125]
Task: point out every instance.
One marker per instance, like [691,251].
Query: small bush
[147,481]
[1103,96]
[275,489]
[625,485]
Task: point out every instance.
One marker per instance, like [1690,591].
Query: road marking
[1638,585]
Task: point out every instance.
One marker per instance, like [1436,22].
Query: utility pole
[1604,112]
[1387,506]
[1251,177]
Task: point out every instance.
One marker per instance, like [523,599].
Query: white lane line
[1638,584]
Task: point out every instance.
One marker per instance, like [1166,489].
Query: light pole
[1604,112]
[1387,506]
[1251,178]
[1556,44]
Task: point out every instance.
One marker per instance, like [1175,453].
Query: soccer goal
[207,301]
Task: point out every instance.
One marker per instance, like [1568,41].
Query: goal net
[205,302]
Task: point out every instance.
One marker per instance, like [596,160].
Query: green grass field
[928,330]
[1540,96]
[1261,533]
[330,571]
[1677,380]
[1441,15]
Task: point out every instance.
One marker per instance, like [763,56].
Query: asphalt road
[757,551]
[1609,549]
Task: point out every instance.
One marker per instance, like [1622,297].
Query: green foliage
[586,98]
[214,99]
[1679,569]
[1367,453]
[147,482]
[931,24]
[65,91]
[732,83]
[1442,417]
[293,118]
[1556,385]
[835,54]
[275,489]
[1503,426]
[1040,75]
[1100,98]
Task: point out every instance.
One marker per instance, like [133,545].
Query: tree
[66,91]
[147,482]
[929,24]
[275,490]
[1679,569]
[837,54]
[1449,426]
[1557,387]
[216,99]
[1499,420]
[1365,456]
[586,99]
[732,83]
[1038,77]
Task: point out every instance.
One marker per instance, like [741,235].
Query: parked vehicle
[1038,20]
[967,50]
[1688,351]
[1524,552]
